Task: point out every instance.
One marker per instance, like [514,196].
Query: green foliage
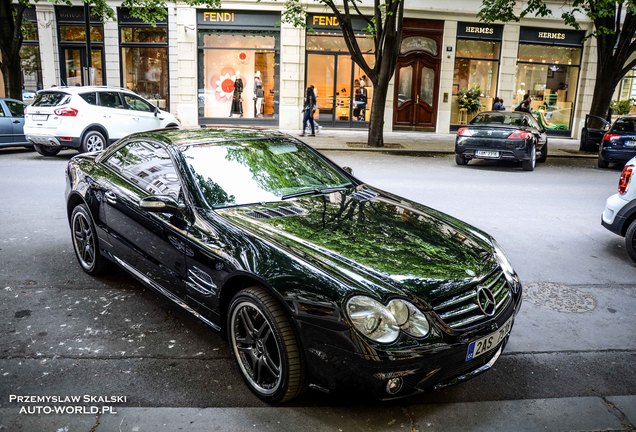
[469,98]
[621,107]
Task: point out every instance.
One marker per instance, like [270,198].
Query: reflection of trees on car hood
[402,241]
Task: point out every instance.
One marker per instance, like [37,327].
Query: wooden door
[416,93]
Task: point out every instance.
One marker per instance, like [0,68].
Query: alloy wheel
[94,142]
[83,241]
[256,348]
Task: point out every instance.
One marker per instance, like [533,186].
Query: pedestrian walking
[309,108]
[498,105]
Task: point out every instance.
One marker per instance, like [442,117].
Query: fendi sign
[237,19]
[330,22]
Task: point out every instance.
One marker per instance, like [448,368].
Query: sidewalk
[417,143]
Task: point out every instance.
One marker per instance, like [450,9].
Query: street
[572,349]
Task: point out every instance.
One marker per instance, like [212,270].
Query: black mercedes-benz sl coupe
[316,278]
[502,135]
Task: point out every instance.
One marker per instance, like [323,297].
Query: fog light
[394,385]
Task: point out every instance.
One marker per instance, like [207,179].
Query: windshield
[253,171]
[498,118]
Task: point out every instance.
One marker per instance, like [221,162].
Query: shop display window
[476,65]
[549,74]
[77,33]
[30,61]
[146,73]
[237,74]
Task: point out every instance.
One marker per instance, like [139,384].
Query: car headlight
[383,323]
[504,263]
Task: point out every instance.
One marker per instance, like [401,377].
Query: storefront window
[30,57]
[238,71]
[72,45]
[476,65]
[548,71]
[343,91]
[627,87]
[144,58]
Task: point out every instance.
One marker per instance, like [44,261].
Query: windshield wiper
[316,191]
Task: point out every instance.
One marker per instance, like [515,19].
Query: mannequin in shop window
[259,94]
[360,101]
[237,97]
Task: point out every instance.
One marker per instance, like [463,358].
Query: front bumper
[367,372]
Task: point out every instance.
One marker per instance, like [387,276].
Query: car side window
[149,166]
[90,98]
[2,114]
[138,104]
[15,108]
[110,100]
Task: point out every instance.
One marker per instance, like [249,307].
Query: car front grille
[461,311]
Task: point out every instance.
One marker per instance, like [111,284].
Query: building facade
[198,63]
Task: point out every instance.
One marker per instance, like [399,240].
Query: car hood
[372,240]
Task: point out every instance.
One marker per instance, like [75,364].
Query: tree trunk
[12,75]
[603,92]
[376,124]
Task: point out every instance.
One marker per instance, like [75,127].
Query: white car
[89,118]
[619,215]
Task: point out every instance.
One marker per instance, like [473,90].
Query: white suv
[619,215]
[89,118]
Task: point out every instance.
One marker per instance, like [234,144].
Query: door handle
[135,118]
[16,121]
[111,198]
[106,116]
[417,99]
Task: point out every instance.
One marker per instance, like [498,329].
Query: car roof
[211,135]
[84,89]
[12,100]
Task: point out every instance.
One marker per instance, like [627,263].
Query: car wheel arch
[631,217]
[238,282]
[73,201]
[95,127]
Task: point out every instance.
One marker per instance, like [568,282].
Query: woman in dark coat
[309,108]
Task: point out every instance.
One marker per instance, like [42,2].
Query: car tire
[85,242]
[630,240]
[93,140]
[263,341]
[461,160]
[46,150]
[528,165]
[602,163]
[544,153]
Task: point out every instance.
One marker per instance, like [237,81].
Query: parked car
[619,215]
[89,118]
[12,123]
[619,143]
[315,277]
[592,133]
[502,135]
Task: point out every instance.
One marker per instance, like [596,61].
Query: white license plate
[486,153]
[630,143]
[40,117]
[485,344]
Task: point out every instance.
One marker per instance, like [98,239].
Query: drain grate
[559,297]
[364,145]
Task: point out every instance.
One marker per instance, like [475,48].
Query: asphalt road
[63,332]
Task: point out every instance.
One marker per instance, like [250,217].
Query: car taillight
[610,137]
[520,134]
[464,131]
[626,175]
[66,112]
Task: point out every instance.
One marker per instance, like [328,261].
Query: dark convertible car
[317,279]
[502,135]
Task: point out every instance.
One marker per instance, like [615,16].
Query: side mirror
[156,111]
[161,204]
[348,170]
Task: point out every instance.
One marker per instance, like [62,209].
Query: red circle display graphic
[242,56]
[227,85]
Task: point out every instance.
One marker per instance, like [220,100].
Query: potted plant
[469,99]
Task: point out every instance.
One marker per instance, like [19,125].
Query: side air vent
[364,195]
[277,212]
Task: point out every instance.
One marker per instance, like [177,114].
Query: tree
[385,27]
[11,30]
[614,30]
